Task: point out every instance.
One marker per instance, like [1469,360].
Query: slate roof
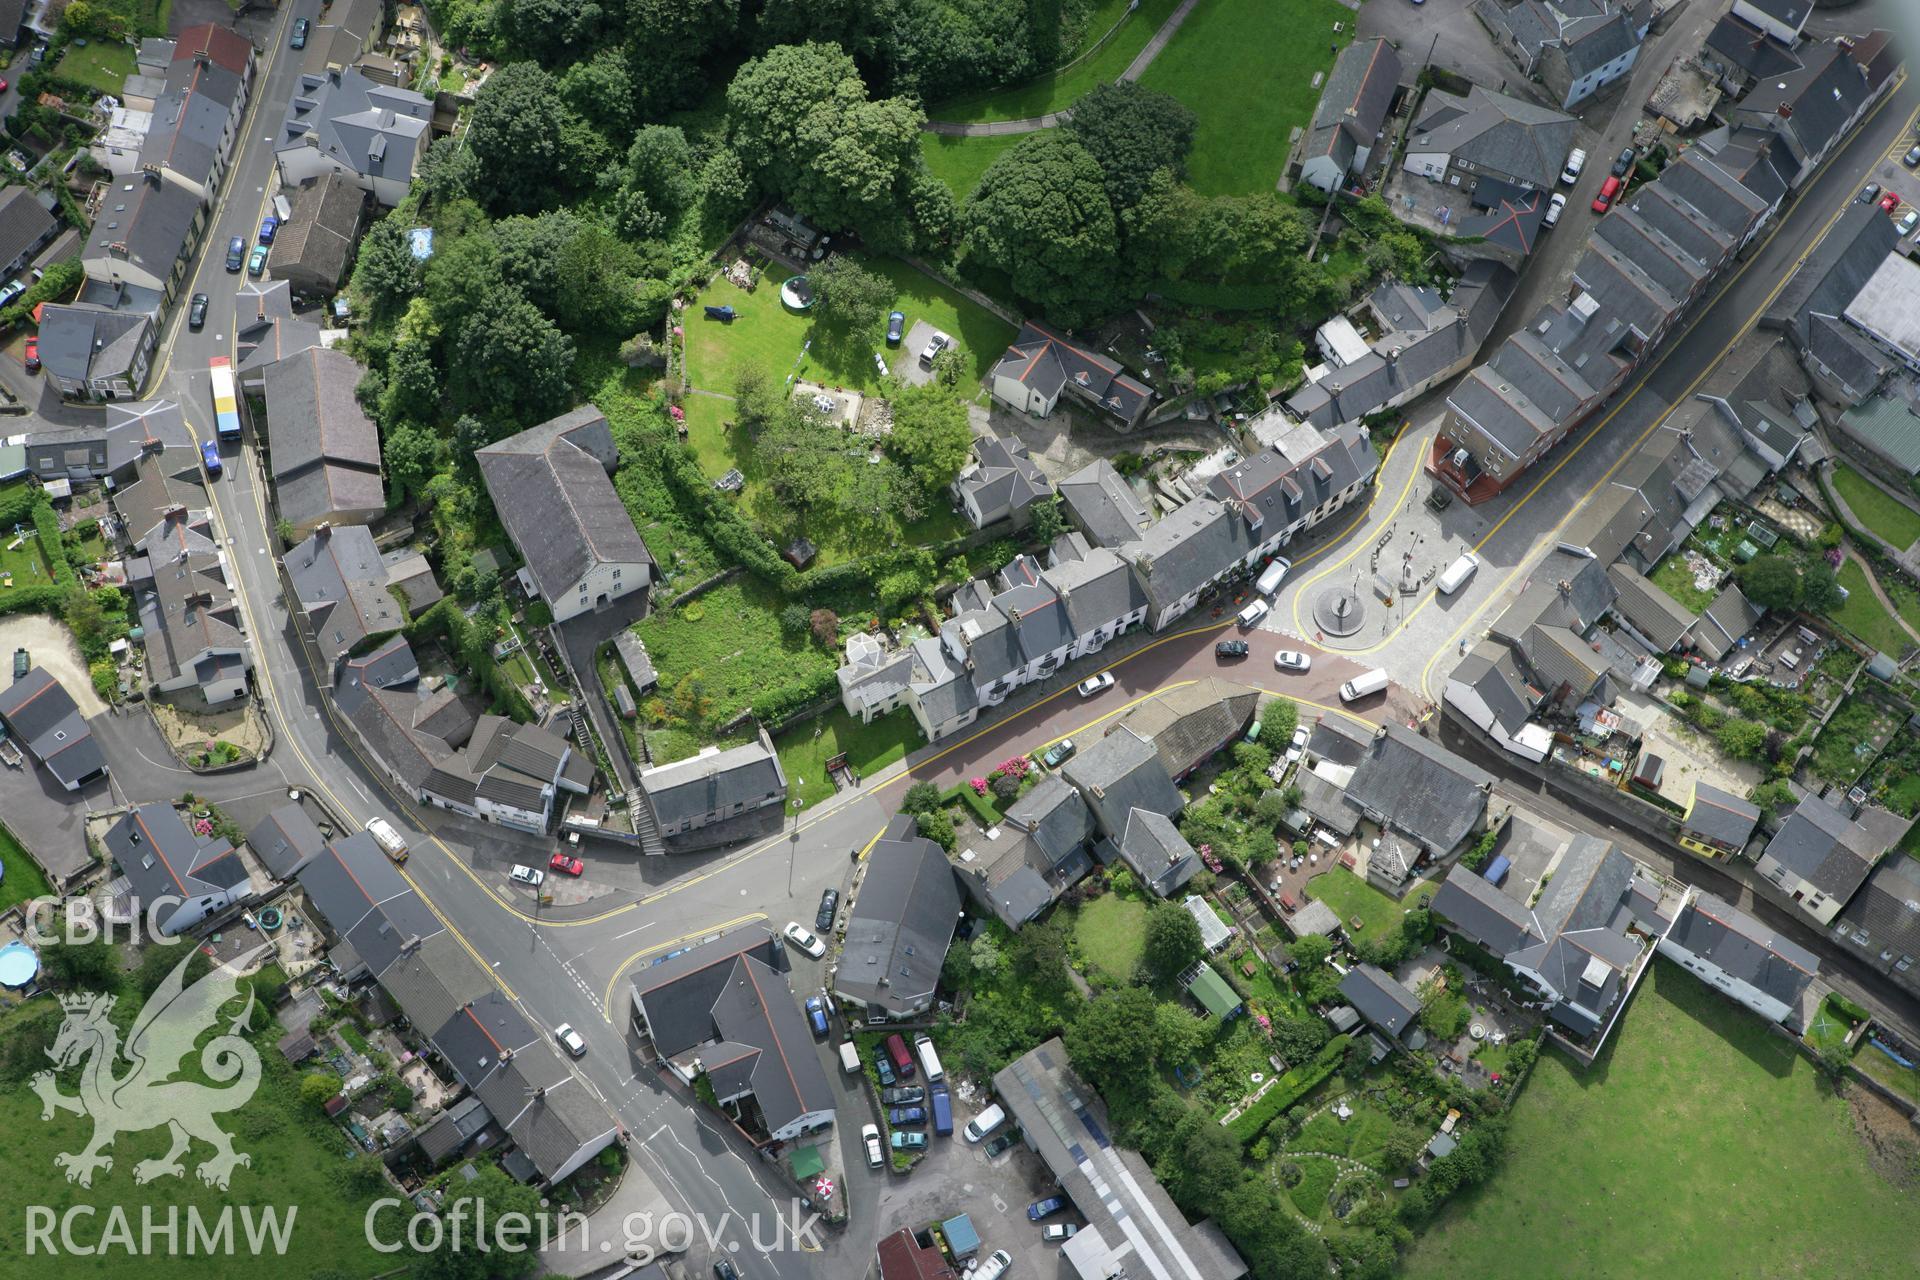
[712,783]
[1325,802]
[320,236]
[1054,816]
[1567,666]
[1743,948]
[1102,504]
[1157,852]
[1597,44]
[1354,102]
[1048,362]
[1380,999]
[1188,724]
[1651,611]
[1481,910]
[373,129]
[135,427]
[341,583]
[162,859]
[1822,94]
[1188,548]
[366,901]
[1822,846]
[83,341]
[1721,816]
[325,450]
[902,921]
[284,839]
[24,221]
[145,220]
[1340,740]
[1566,590]
[1745,46]
[190,121]
[187,608]
[1095,589]
[1003,476]
[1423,789]
[1501,213]
[411,730]
[1504,136]
[552,487]
[221,45]
[1887,907]
[1491,671]
[1581,921]
[1118,774]
[40,713]
[1726,621]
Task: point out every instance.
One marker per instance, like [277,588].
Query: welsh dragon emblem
[168,1028]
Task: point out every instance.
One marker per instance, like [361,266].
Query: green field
[806,748]
[1052,92]
[23,880]
[102,65]
[767,335]
[1863,615]
[1351,897]
[1246,68]
[729,641]
[1673,1156]
[1887,518]
[26,562]
[959,162]
[1110,934]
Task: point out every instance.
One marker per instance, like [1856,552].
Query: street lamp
[794,849]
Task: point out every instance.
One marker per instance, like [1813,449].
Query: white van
[993,1268]
[849,1058]
[1272,576]
[929,1058]
[986,1122]
[1457,574]
[1360,686]
[1251,615]
[1576,160]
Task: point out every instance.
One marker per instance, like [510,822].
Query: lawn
[1052,92]
[102,65]
[23,879]
[1850,740]
[767,335]
[1864,616]
[806,748]
[1110,934]
[959,162]
[1317,1177]
[729,641]
[1830,1026]
[26,562]
[1673,576]
[1246,68]
[1350,896]
[1889,519]
[1671,1156]
[1904,1081]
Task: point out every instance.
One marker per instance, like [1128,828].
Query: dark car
[723,1269]
[1003,1143]
[907,1115]
[197,312]
[1059,753]
[904,1096]
[210,457]
[268,225]
[1045,1208]
[1869,193]
[1231,649]
[829,907]
[1911,159]
[817,1015]
[236,253]
[896,327]
[882,1066]
[1625,162]
[300,30]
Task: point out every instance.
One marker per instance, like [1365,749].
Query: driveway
[1448,30]
[53,649]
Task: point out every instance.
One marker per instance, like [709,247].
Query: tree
[826,627]
[470,1247]
[1180,1037]
[81,964]
[513,361]
[597,277]
[385,272]
[1403,1146]
[1046,521]
[847,295]
[1005,786]
[985,955]
[1040,952]
[1310,952]
[1298,1039]
[525,140]
[412,390]
[930,434]
[599,90]
[935,827]
[1131,132]
[1820,589]
[411,456]
[318,1086]
[793,621]
[1041,215]
[1172,941]
[1771,582]
[660,165]
[551,31]
[1112,1042]
[921,797]
[1742,739]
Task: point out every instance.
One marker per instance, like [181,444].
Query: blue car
[1045,1208]
[210,455]
[268,225]
[236,253]
[907,1115]
[817,1015]
[884,1067]
[896,326]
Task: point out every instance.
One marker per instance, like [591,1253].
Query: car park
[1912,158]
[1045,1208]
[236,253]
[797,934]
[1059,753]
[1231,649]
[257,261]
[870,1139]
[1058,1232]
[197,312]
[1624,164]
[897,1116]
[564,863]
[1869,193]
[570,1039]
[829,907]
[896,1047]
[986,1122]
[1096,684]
[1003,1142]
[1890,201]
[907,1140]
[1555,207]
[527,875]
[817,1015]
[1292,660]
[31,356]
[896,326]
[1608,190]
[904,1096]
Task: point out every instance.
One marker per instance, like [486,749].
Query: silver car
[570,1039]
[1292,660]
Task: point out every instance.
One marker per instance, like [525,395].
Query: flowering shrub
[1015,767]
[979,785]
[202,827]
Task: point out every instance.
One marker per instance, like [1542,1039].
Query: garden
[1704,1119]
[1354,900]
[1886,517]
[1865,617]
[23,880]
[805,748]
[102,65]
[1856,734]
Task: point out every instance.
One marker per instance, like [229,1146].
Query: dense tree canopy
[930,434]
[1041,215]
[530,147]
[1132,133]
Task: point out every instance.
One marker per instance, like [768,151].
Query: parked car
[31,356]
[1231,649]
[1869,193]
[907,1140]
[1003,1143]
[1058,1232]
[197,312]
[257,261]
[829,907]
[1297,746]
[300,30]
[1608,191]
[1911,159]
[1890,201]
[906,1115]
[268,226]
[870,1138]
[564,863]
[817,1015]
[1555,207]
[1059,753]
[1576,160]
[1292,660]
[896,327]
[527,875]
[236,253]
[882,1067]
[39,53]
[1908,221]
[897,1052]
[935,345]
[570,1039]
[725,1270]
[797,934]
[1045,1208]
[1624,164]
[22,663]
[1096,684]
[905,1095]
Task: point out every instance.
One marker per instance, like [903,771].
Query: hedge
[61,279]
[981,806]
[475,652]
[1291,1087]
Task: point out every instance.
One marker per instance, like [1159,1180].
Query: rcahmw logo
[80,1231]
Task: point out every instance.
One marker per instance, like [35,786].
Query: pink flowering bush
[1015,766]
[202,827]
[979,785]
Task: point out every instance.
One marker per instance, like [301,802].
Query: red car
[3,84]
[32,356]
[1608,190]
[1890,201]
[561,862]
